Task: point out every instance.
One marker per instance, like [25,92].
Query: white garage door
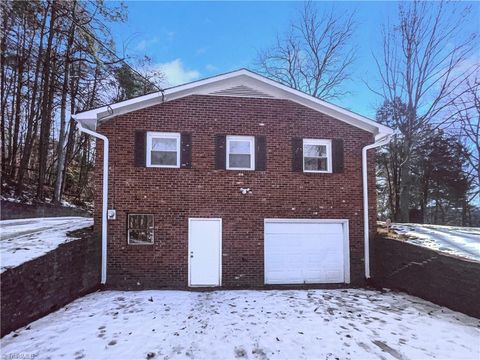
[306,251]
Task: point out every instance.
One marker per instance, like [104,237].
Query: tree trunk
[46,106]
[3,85]
[32,114]
[424,199]
[74,84]
[57,193]
[61,140]
[16,127]
[10,123]
[390,191]
[405,182]
[464,211]
[82,178]
[31,129]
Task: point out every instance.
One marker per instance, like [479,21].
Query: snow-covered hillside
[455,240]
[23,240]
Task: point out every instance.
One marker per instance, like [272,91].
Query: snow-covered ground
[455,240]
[280,324]
[23,240]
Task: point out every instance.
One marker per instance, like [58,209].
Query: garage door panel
[279,278]
[323,267]
[298,252]
[330,277]
[305,228]
[277,268]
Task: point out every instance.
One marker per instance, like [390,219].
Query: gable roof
[240,83]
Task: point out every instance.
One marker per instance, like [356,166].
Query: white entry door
[306,251]
[204,252]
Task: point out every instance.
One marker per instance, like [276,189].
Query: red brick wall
[174,195]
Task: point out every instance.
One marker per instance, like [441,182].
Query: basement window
[140,229]
[163,150]
[317,155]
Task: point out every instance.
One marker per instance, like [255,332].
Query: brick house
[232,181]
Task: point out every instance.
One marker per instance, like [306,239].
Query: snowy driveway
[23,240]
[283,324]
[455,240]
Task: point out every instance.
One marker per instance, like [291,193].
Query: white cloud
[176,73]
[143,44]
[201,51]
[170,35]
[210,67]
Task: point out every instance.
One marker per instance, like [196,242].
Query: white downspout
[383,141]
[104,197]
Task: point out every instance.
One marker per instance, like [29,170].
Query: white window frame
[251,139]
[162,135]
[128,230]
[328,145]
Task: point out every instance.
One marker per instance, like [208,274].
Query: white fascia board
[239,77]
[87,122]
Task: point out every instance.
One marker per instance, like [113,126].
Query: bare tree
[314,56]
[425,59]
[467,111]
[56,58]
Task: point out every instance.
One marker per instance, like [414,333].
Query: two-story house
[233,181]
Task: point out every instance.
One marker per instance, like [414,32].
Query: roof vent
[242,91]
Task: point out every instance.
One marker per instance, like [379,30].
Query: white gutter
[366,229]
[104,197]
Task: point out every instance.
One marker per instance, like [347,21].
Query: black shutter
[260,153]
[297,154]
[337,156]
[140,148]
[186,151]
[220,151]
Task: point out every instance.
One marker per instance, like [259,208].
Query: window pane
[239,161]
[139,221]
[314,150]
[140,236]
[164,158]
[239,147]
[161,144]
[134,221]
[316,164]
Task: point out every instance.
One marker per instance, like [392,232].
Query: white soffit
[240,83]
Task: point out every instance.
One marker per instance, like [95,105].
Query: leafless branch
[314,55]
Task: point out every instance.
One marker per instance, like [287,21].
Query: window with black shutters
[163,150]
[240,153]
[140,229]
[317,155]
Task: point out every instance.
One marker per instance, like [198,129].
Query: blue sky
[192,40]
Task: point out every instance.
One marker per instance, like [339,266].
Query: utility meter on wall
[111,214]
